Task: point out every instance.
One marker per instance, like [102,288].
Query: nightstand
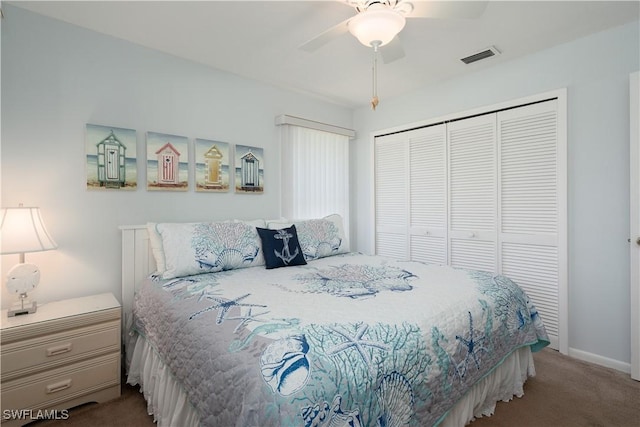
[64,355]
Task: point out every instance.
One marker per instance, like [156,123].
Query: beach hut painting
[167,162]
[110,158]
[249,165]
[212,165]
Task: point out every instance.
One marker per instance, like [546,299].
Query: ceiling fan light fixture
[376,26]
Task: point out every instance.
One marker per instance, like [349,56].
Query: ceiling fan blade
[447,9]
[325,37]
[392,51]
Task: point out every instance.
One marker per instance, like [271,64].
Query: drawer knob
[60,349]
[59,386]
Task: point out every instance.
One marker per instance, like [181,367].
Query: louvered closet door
[391,196]
[472,193]
[528,200]
[428,194]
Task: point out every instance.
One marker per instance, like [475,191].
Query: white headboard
[137,263]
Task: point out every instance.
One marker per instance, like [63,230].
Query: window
[314,170]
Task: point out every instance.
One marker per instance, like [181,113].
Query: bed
[277,323]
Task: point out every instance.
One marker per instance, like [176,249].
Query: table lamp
[22,230]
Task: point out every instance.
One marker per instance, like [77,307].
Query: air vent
[486,53]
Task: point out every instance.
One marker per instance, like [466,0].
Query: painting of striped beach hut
[167,162]
[249,165]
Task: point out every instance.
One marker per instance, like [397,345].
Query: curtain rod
[285,119]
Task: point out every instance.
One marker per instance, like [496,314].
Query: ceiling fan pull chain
[374,99]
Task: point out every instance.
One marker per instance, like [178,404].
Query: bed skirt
[166,400]
[168,403]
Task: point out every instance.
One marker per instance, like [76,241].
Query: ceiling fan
[378,22]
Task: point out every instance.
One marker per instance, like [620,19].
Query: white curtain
[315,173]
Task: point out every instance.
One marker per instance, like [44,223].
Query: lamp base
[23,307]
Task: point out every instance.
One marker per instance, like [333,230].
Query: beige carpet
[565,393]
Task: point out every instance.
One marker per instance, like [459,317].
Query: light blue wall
[57,77]
[595,70]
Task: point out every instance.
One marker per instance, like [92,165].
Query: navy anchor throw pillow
[281,248]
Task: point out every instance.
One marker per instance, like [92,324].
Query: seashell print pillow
[155,240]
[198,248]
[318,238]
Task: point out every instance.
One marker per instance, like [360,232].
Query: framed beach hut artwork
[212,165]
[167,162]
[249,165]
[110,158]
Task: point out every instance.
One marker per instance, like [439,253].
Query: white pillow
[318,238]
[195,248]
[155,240]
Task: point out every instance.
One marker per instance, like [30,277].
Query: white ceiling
[261,39]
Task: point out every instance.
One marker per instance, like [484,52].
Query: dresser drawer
[49,389]
[46,352]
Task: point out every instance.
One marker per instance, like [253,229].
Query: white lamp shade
[22,230]
[376,25]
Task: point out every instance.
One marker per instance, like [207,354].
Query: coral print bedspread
[345,340]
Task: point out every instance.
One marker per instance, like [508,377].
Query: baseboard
[600,360]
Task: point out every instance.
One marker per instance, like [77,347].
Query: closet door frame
[634,196]
[563,275]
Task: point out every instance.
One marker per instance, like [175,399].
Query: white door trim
[634,248]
